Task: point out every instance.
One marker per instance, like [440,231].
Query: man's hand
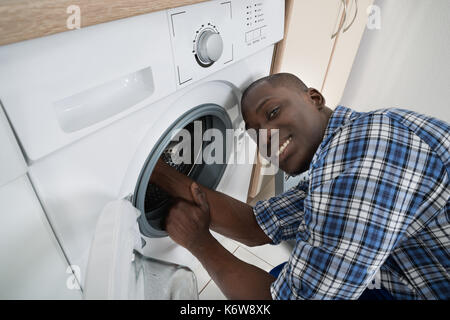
[188,223]
[230,217]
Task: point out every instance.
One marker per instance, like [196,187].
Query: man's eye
[273,113]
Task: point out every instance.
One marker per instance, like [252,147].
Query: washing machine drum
[154,202]
[156,198]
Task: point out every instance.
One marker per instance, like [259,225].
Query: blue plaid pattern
[376,205]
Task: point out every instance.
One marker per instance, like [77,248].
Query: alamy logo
[375,283]
[75,273]
[74,19]
[216,147]
[374,17]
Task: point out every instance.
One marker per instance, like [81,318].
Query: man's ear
[316,97]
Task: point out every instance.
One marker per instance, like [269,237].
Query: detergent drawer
[62,87]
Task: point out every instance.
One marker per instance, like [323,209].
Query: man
[377,200]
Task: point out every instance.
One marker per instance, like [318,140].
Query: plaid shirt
[376,205]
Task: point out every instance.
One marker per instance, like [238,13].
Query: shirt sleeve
[354,218]
[280,216]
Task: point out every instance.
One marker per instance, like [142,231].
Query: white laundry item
[118,270]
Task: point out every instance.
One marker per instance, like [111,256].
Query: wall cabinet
[320,44]
[344,51]
[321,41]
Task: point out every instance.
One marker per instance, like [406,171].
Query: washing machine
[94,109]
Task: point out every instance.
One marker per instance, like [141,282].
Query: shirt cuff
[266,219]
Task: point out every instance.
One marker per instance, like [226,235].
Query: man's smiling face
[300,116]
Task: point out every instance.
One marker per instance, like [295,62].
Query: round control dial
[209,47]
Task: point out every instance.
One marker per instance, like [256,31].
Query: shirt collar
[340,116]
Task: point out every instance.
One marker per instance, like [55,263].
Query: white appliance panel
[12,162]
[60,88]
[33,265]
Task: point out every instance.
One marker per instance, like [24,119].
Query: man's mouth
[281,150]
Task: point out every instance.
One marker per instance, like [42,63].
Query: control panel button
[249,36]
[209,47]
[263,31]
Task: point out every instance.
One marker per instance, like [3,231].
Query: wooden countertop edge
[28,19]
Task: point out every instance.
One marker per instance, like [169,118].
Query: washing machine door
[118,270]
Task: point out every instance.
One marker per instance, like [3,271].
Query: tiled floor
[265,257]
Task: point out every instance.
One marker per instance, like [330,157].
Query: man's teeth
[280,151]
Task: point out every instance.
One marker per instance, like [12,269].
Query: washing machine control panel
[208,36]
[255,23]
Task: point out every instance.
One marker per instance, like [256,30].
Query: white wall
[405,63]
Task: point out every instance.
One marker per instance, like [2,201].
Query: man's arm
[235,278]
[229,217]
[188,225]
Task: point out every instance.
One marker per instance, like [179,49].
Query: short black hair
[277,80]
